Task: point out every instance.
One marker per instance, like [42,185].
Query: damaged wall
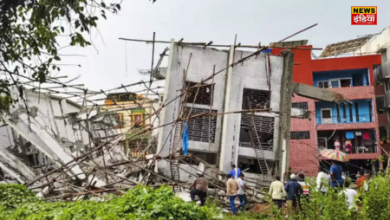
[227,96]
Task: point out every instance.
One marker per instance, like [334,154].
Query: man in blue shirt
[294,190]
[235,172]
[336,172]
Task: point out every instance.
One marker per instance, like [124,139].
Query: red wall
[302,64]
[303,153]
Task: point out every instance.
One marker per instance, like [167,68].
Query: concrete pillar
[286,91]
[170,112]
[227,153]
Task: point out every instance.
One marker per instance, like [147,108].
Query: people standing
[231,192]
[337,144]
[235,172]
[277,192]
[336,172]
[293,189]
[322,181]
[200,187]
[305,186]
[367,180]
[351,195]
[348,146]
[242,192]
[360,181]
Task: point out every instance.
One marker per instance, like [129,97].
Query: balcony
[340,79]
[363,142]
[382,72]
[345,120]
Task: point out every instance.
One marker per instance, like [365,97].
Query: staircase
[256,143]
[175,153]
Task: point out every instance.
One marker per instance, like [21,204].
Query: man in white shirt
[322,181]
[242,191]
[350,195]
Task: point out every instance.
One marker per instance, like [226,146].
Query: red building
[356,120]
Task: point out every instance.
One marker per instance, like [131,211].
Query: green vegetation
[18,203]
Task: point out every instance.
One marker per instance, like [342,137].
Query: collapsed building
[234,105]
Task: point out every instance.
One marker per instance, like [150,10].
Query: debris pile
[64,150]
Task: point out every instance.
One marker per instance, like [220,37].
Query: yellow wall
[128,116]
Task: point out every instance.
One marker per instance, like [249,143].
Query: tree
[29,31]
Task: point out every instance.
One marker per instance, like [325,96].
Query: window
[203,96]
[350,114]
[199,128]
[344,114]
[301,105]
[264,126]
[326,116]
[299,135]
[357,111]
[334,83]
[380,104]
[345,82]
[382,132]
[255,99]
[387,84]
[323,84]
[138,119]
[122,97]
[119,120]
[338,112]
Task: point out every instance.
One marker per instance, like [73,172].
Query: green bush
[374,205]
[18,203]
[139,203]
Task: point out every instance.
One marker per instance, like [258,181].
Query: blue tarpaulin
[186,140]
[349,135]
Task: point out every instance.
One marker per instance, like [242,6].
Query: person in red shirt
[361,179]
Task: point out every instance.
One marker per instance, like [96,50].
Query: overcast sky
[113,62]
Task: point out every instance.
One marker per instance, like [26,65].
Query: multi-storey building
[132,112]
[380,44]
[226,131]
[355,120]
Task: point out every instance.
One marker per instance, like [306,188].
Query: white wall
[376,42]
[201,66]
[251,75]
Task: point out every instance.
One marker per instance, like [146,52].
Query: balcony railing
[345,120]
[360,149]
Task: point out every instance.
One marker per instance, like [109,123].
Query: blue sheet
[186,140]
[349,135]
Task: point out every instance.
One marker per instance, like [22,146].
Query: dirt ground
[265,208]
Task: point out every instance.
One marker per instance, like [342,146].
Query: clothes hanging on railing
[366,135]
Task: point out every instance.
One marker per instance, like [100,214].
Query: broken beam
[317,93]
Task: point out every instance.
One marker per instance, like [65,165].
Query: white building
[224,139]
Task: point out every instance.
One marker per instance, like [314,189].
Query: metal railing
[359,149]
[345,120]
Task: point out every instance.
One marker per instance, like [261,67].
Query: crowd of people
[235,189]
[297,188]
[290,194]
